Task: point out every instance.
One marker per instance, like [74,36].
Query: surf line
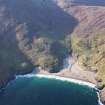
[59,78]
[76,81]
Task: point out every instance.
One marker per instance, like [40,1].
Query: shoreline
[71,80]
[56,77]
[74,74]
[75,81]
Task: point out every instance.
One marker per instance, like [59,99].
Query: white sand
[60,78]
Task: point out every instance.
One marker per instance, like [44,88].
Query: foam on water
[80,82]
[99,100]
[66,79]
[60,78]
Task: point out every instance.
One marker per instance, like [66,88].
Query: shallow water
[44,91]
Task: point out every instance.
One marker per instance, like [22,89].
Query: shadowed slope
[23,22]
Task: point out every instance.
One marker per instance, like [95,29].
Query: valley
[42,33]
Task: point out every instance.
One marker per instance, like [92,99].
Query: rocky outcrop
[102,94]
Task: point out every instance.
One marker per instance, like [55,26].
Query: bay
[45,91]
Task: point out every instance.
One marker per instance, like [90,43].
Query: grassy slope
[90,52]
[88,38]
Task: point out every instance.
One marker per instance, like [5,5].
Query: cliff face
[88,38]
[32,33]
[89,41]
[10,56]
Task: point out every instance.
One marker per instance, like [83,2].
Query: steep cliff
[88,38]
[42,32]
[32,33]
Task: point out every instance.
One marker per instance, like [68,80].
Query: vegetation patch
[90,52]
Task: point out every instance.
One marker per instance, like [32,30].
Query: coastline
[74,74]
[50,76]
[71,80]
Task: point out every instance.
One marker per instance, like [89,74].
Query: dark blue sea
[44,91]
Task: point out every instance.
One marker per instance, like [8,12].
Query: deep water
[43,91]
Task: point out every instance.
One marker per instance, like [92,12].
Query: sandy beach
[75,72]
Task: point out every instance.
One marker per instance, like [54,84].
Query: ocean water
[45,91]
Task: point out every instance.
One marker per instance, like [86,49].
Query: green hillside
[90,52]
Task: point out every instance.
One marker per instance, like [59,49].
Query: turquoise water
[43,91]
